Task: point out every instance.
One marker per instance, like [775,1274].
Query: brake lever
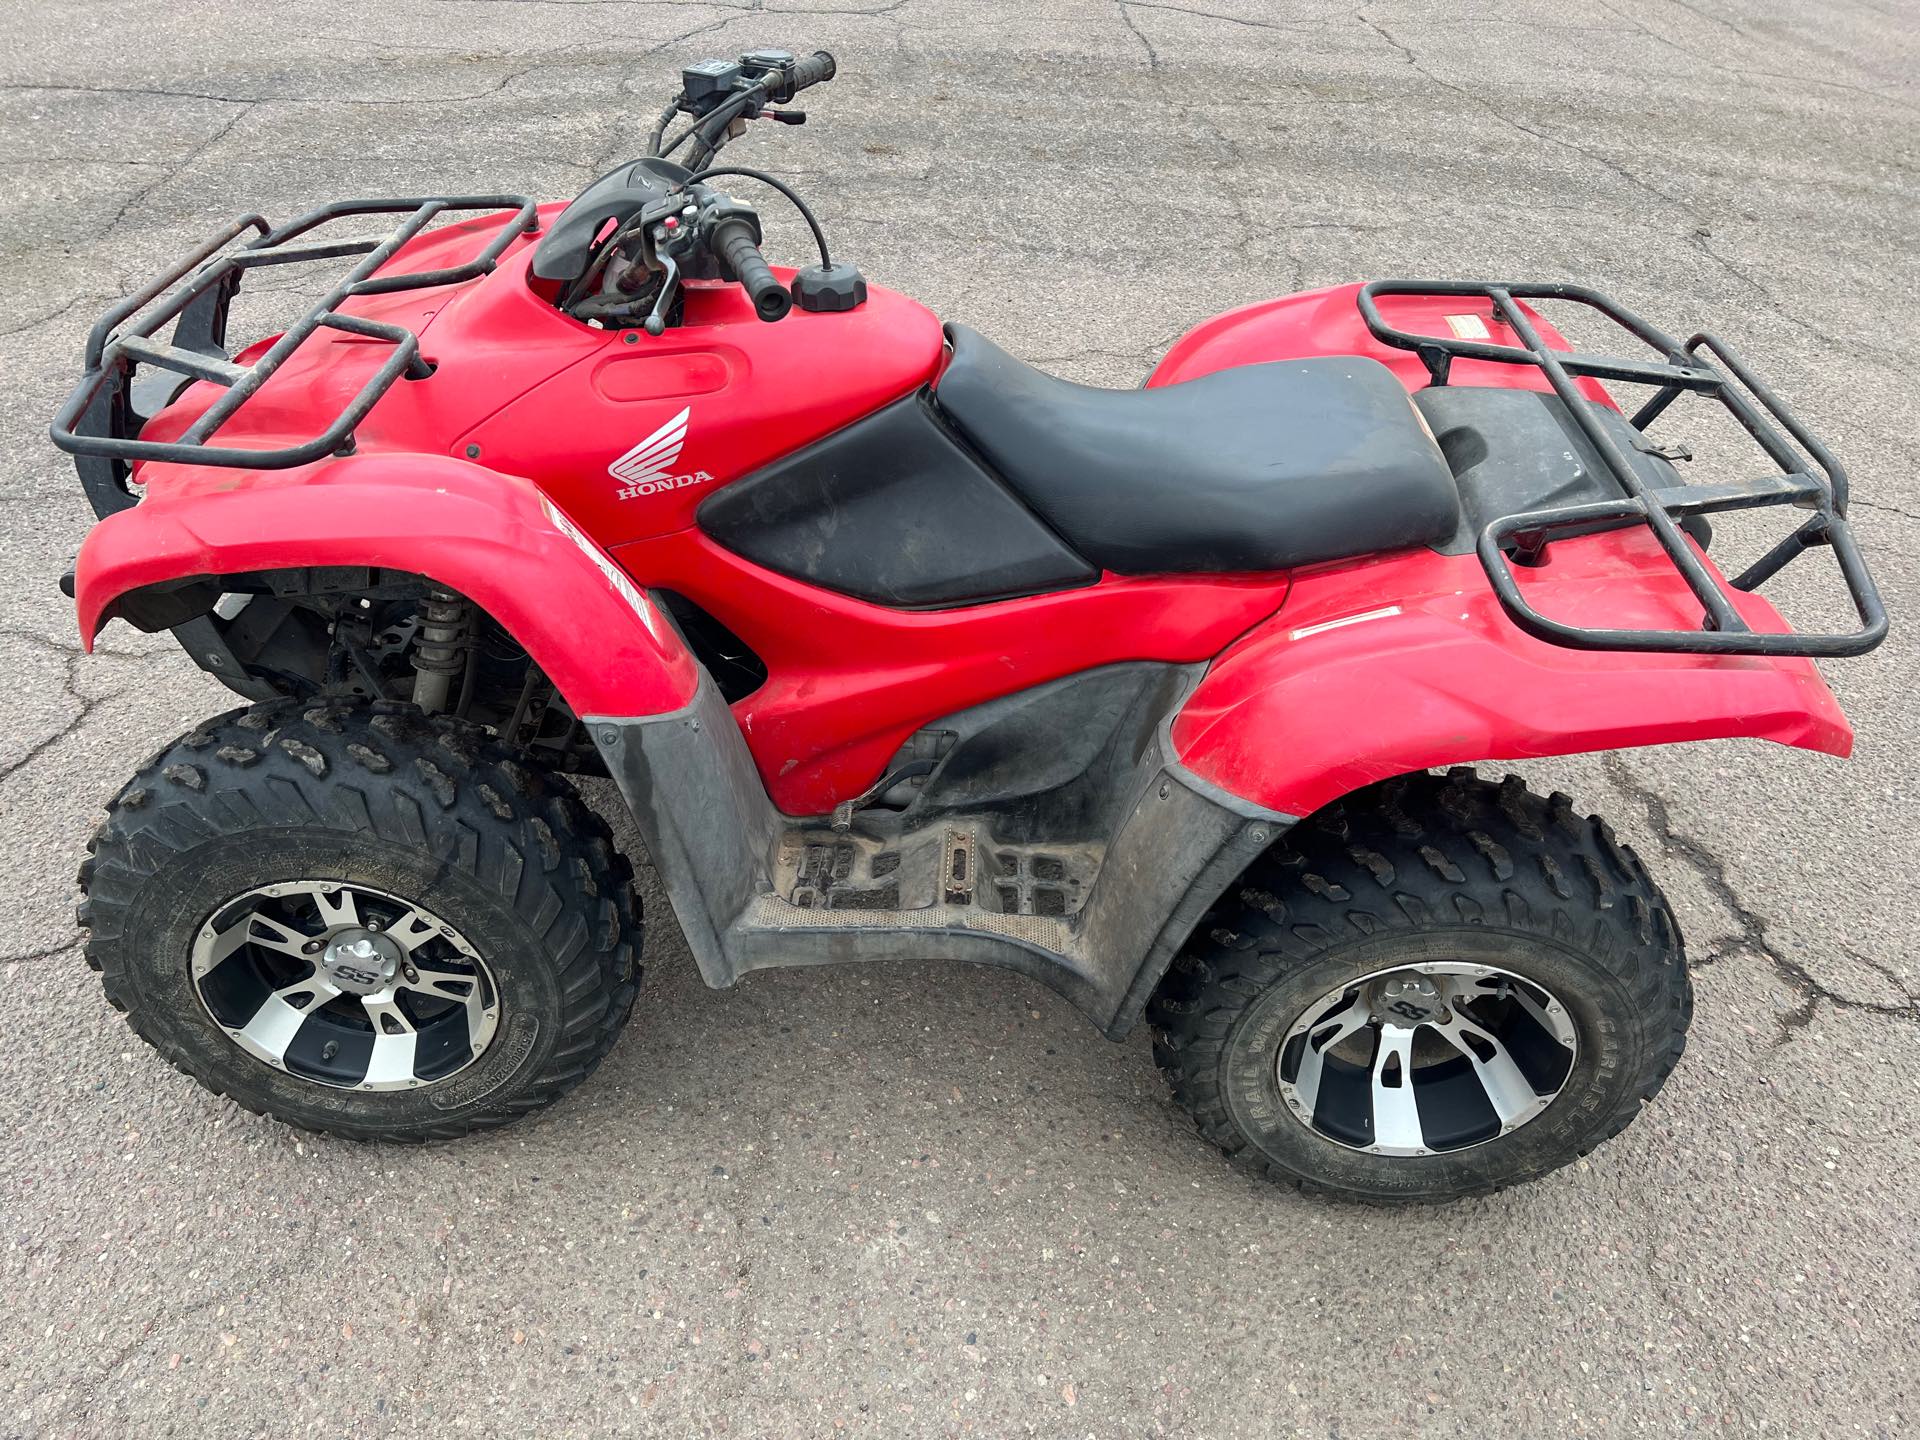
[656,322]
[785,117]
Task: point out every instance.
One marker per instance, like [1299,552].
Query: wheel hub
[360,961]
[345,985]
[1406,999]
[1425,1059]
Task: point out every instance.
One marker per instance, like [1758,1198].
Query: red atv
[898,647]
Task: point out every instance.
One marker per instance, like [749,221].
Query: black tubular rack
[97,424]
[1812,481]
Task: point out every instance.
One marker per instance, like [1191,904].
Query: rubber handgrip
[733,242]
[816,69]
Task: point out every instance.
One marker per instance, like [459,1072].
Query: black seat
[1261,467]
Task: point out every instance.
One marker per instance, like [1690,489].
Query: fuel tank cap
[834,287]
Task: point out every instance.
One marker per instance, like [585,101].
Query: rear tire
[1412,884]
[410,814]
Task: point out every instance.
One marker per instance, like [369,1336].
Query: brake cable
[660,126]
[819,235]
[726,112]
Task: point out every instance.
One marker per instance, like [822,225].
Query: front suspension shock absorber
[439,651]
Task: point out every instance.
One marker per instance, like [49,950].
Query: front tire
[1435,988]
[371,923]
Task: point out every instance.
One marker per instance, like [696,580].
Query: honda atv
[896,646]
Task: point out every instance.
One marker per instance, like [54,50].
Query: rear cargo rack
[98,422]
[1812,480]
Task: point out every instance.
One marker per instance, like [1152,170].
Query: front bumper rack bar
[97,424]
[1810,478]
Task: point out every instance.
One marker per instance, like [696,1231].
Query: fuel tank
[631,438]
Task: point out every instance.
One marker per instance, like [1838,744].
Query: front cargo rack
[99,422]
[1812,480]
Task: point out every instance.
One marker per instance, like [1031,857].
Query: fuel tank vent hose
[439,650]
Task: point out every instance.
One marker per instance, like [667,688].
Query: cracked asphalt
[904,1199]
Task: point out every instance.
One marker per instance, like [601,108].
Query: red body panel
[491,537]
[1404,662]
[750,392]
[1371,668]
[849,681]
[532,392]
[1327,322]
[489,342]
[1408,662]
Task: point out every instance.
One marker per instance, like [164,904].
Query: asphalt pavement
[907,1199]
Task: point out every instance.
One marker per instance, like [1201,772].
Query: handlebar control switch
[783,76]
[707,84]
[831,288]
[772,68]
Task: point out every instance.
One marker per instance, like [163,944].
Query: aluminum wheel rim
[345,985]
[1426,1059]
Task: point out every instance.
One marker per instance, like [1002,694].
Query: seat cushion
[1261,467]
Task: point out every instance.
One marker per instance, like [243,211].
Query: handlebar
[721,93]
[816,69]
[721,96]
[733,241]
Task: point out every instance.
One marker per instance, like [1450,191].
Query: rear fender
[491,537]
[1408,662]
[1328,322]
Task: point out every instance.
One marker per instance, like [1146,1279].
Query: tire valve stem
[330,1049]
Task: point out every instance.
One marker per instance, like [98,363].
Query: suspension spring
[439,650]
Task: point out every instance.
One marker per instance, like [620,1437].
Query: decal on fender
[603,562]
[647,468]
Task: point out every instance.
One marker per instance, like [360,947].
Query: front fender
[494,538]
[1408,663]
